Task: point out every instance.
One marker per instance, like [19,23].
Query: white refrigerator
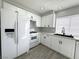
[14,43]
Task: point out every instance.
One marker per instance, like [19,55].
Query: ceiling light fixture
[42,8]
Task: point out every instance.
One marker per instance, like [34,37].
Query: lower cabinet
[49,41]
[63,45]
[68,47]
[43,39]
[77,50]
[46,40]
[55,43]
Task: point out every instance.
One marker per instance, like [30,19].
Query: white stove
[34,39]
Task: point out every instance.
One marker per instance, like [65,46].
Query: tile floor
[42,52]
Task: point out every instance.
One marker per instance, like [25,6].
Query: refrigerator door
[23,32]
[9,47]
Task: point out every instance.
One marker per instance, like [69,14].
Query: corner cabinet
[63,45]
[46,40]
[48,20]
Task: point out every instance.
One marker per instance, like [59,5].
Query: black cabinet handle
[60,42]
[44,37]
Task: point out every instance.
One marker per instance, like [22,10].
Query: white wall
[0,3]
[69,11]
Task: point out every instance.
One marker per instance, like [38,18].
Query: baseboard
[35,46]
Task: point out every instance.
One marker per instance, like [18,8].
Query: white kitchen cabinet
[23,32]
[68,47]
[36,18]
[77,50]
[38,22]
[48,40]
[48,20]
[38,37]
[43,39]
[55,43]
[63,45]
[43,22]
[51,41]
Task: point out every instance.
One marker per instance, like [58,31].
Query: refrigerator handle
[15,33]
[16,28]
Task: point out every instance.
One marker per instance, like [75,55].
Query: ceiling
[42,6]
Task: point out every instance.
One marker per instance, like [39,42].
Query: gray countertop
[52,34]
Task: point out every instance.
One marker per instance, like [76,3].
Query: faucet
[63,30]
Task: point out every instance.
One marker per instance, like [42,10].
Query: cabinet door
[43,39]
[48,21]
[48,41]
[68,46]
[38,37]
[55,43]
[77,50]
[23,32]
[38,21]
[44,21]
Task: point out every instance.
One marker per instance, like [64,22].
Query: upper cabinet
[35,18]
[48,20]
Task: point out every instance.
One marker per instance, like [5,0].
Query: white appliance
[33,34]
[16,43]
[34,40]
